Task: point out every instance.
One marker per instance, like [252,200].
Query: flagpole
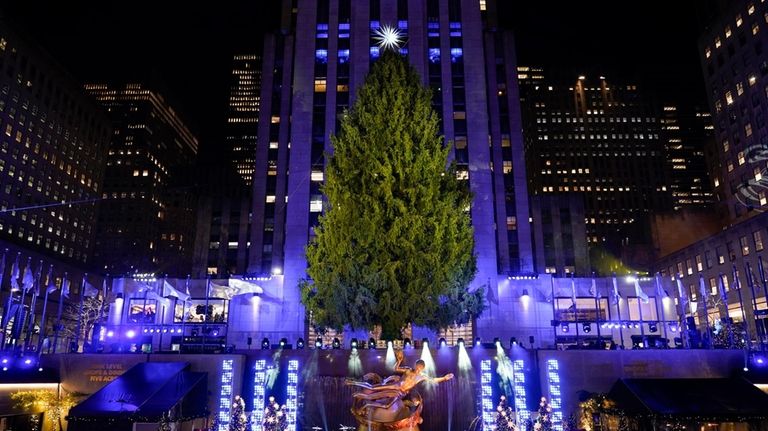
[705,303]
[751,283]
[58,315]
[764,283]
[184,315]
[41,337]
[554,309]
[80,313]
[724,298]
[659,295]
[617,297]
[205,314]
[32,307]
[743,312]
[9,303]
[18,323]
[598,310]
[104,297]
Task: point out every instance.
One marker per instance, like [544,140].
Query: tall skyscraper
[735,64]
[146,222]
[224,204]
[312,68]
[686,133]
[53,140]
[600,140]
[243,113]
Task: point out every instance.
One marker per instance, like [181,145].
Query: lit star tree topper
[388,37]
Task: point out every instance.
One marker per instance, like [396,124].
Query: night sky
[187,46]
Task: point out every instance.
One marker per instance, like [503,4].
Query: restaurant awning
[143,394]
[707,399]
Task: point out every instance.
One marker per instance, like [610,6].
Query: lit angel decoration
[388,37]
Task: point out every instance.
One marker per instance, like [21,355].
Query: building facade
[146,220]
[311,70]
[735,65]
[243,113]
[602,141]
[560,235]
[53,142]
[686,133]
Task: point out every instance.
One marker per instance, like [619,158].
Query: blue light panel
[374,52]
[292,393]
[321,56]
[456,54]
[434,55]
[555,398]
[259,383]
[518,382]
[486,395]
[225,394]
[343,55]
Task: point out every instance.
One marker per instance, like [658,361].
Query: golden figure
[388,404]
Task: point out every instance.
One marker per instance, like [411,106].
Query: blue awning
[144,393]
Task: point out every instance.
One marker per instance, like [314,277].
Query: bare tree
[91,312]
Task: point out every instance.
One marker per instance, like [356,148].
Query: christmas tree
[275,416]
[239,421]
[505,416]
[395,244]
[543,421]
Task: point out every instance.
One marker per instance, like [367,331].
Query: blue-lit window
[322,27]
[322,35]
[434,55]
[455,28]
[343,55]
[456,54]
[375,25]
[344,26]
[403,25]
[403,51]
[433,25]
[374,52]
[321,56]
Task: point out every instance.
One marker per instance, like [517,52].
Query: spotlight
[300,343]
[5,368]
[265,343]
[283,343]
[407,342]
[512,341]
[564,327]
[5,361]
[460,342]
[652,328]
[371,343]
[442,342]
[40,369]
[477,341]
[27,361]
[353,343]
[603,325]
[636,325]
[336,343]
[760,361]
[496,342]
[524,297]
[131,333]
[587,328]
[165,330]
[318,343]
[745,369]
[110,334]
[425,343]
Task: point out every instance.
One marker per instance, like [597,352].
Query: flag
[681,294]
[723,293]
[169,290]
[36,282]
[15,273]
[660,292]
[639,292]
[89,290]
[491,294]
[28,280]
[573,292]
[703,290]
[615,297]
[160,300]
[736,282]
[593,289]
[65,287]
[51,282]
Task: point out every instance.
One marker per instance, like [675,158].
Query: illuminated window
[317,176]
[512,223]
[717,42]
[460,143]
[741,158]
[507,166]
[752,80]
[708,52]
[699,263]
[727,31]
[726,146]
[728,98]
[744,246]
[739,21]
[755,28]
[758,173]
[739,88]
[316,203]
[751,9]
[482,4]
[320,85]
[758,238]
[342,88]
[275,119]
[763,199]
[748,130]
[270,199]
[717,182]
